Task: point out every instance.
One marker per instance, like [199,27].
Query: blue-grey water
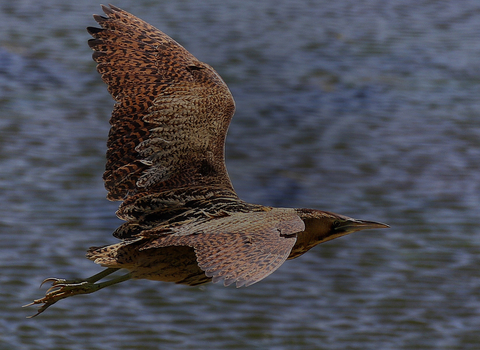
[365,108]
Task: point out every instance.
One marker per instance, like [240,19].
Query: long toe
[60,290]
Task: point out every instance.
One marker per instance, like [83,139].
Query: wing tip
[115,8]
[94,30]
[107,10]
[111,9]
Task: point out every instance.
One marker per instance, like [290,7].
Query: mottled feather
[242,248]
[172,112]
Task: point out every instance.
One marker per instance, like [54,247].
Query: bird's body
[184,223]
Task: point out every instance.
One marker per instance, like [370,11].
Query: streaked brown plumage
[165,161]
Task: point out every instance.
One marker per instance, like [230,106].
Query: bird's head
[323,226]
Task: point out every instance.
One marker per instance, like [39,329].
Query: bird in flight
[184,223]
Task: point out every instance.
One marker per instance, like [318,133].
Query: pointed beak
[353,225]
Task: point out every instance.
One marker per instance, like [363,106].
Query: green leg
[92,279]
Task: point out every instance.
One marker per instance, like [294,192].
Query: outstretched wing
[170,121]
[243,248]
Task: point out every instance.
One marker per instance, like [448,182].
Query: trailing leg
[62,288]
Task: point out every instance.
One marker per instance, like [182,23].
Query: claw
[51,289]
[38,313]
[51,279]
[29,304]
[47,301]
[46,304]
[60,289]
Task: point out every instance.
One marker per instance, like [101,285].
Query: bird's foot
[62,289]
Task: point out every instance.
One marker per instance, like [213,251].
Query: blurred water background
[365,108]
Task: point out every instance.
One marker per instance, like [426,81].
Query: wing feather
[243,248]
[170,121]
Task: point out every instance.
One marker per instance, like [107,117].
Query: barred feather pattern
[170,121]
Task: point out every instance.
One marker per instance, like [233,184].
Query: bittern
[165,162]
